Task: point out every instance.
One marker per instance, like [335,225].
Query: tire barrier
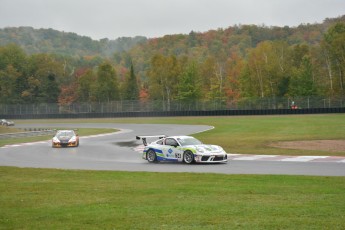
[29,133]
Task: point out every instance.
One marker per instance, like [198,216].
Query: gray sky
[156,18]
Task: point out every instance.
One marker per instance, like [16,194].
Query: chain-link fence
[175,105]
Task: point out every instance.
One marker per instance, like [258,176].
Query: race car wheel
[151,156]
[188,157]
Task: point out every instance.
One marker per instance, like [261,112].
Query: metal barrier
[177,113]
[154,106]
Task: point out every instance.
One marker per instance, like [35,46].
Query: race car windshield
[65,134]
[189,141]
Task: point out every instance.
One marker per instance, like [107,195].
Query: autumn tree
[267,70]
[234,67]
[334,48]
[206,71]
[163,78]
[68,94]
[217,83]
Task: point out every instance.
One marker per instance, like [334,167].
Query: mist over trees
[242,61]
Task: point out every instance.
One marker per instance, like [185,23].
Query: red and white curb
[250,157]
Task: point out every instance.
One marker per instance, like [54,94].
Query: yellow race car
[65,138]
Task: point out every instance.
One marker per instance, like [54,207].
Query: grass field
[66,199]
[249,134]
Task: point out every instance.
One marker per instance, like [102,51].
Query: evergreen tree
[51,89]
[107,85]
[131,86]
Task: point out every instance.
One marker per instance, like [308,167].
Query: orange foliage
[68,94]
[81,71]
[143,95]
[89,57]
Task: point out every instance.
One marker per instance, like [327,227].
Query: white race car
[185,149]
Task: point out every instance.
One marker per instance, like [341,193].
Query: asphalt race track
[117,152]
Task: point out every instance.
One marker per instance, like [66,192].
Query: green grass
[249,134]
[67,199]
[73,199]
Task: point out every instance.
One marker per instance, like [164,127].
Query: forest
[225,65]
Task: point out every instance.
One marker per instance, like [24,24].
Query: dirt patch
[323,145]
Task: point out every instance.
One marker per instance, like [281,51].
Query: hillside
[244,36]
[62,43]
[224,65]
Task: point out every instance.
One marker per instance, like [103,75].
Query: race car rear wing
[143,138]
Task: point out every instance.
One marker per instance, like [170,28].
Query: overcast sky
[156,18]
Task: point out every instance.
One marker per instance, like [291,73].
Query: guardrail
[27,134]
[148,106]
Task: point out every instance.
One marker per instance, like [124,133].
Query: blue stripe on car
[156,150]
[159,158]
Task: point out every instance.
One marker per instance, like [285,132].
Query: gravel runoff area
[326,145]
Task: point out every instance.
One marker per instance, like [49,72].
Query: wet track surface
[117,151]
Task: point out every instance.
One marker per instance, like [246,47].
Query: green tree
[302,82]
[87,87]
[106,85]
[189,87]
[13,73]
[13,55]
[9,79]
[206,71]
[51,90]
[268,70]
[131,90]
[217,83]
[44,70]
[163,77]
[334,46]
